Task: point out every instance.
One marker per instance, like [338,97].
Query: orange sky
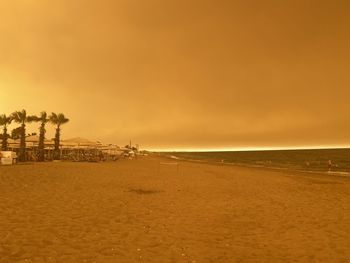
[182,74]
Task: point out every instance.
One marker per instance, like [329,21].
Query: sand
[141,211]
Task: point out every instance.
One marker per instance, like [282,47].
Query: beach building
[32,145]
[74,149]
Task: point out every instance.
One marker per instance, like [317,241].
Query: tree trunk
[4,139]
[42,143]
[22,146]
[57,154]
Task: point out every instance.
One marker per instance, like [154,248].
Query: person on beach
[329,165]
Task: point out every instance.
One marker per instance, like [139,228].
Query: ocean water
[303,160]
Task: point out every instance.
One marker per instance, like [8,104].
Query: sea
[331,161]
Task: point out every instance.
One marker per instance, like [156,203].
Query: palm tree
[58,120]
[22,118]
[5,121]
[43,119]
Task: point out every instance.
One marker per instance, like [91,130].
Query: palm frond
[53,118]
[58,119]
[5,120]
[19,116]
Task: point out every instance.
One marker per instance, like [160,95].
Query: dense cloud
[182,74]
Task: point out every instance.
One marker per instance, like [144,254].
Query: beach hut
[110,152]
[12,144]
[32,145]
[80,149]
[79,142]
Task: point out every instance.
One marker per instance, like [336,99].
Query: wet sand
[141,211]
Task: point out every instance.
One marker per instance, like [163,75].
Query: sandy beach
[143,211]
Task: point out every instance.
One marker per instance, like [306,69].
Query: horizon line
[248,149]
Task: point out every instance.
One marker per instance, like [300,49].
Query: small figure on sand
[330,165]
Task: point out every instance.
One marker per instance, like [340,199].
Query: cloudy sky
[182,74]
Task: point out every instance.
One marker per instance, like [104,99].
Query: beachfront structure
[81,149]
[75,149]
[32,147]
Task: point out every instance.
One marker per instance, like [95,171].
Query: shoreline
[331,174]
[285,171]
